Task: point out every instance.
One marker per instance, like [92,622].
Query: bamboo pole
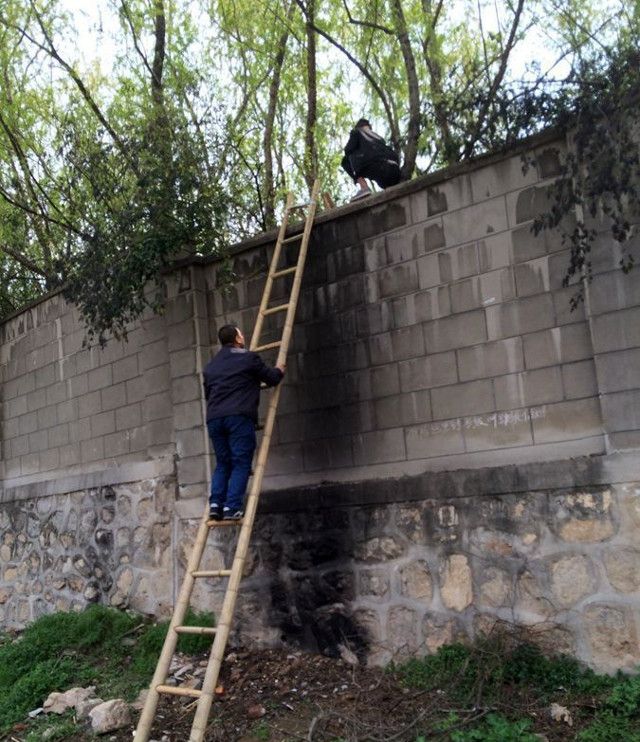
[224,623]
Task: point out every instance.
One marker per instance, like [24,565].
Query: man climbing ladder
[234,575]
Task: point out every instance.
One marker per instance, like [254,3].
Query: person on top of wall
[232,390]
[367,155]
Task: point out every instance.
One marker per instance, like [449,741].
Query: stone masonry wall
[390,580]
[110,545]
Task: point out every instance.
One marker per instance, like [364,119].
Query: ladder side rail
[169,647]
[266,294]
[297,279]
[223,626]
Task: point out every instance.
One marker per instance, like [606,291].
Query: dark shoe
[361,193]
[215,512]
[232,514]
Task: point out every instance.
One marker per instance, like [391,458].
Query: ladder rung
[268,346]
[292,239]
[273,310]
[284,272]
[212,573]
[200,630]
[176,691]
[223,523]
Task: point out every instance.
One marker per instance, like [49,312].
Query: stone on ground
[109,716]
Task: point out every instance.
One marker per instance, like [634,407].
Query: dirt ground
[277,696]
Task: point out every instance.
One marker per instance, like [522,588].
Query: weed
[57,728]
[65,649]
[496,728]
[261,731]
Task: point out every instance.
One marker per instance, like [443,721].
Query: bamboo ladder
[223,627]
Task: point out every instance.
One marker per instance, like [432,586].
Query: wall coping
[548,136]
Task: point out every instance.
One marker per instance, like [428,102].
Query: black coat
[363,148]
[232,382]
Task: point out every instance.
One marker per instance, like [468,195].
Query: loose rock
[109,716]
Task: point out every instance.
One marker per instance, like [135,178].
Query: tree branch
[27,262]
[366,24]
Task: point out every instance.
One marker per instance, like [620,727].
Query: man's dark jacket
[232,382]
[363,148]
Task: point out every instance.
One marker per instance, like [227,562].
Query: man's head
[362,122]
[231,335]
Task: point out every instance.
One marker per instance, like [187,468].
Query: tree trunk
[310,152]
[269,195]
[413,128]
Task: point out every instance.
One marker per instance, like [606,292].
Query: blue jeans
[234,441]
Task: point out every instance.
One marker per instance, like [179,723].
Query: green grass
[484,674]
[63,650]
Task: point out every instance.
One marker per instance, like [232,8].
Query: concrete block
[127,368]
[36,400]
[114,396]
[15,407]
[449,195]
[379,447]
[566,421]
[579,380]
[520,316]
[331,453]
[67,411]
[407,342]
[619,371]
[485,289]
[475,222]
[136,389]
[157,406]
[497,430]
[29,464]
[116,444]
[345,262]
[103,423]
[287,459]
[139,438]
[402,409]
[89,404]
[46,376]
[528,203]
[79,386]
[548,160]
[537,387]
[428,371]
[384,380]
[434,439]
[557,345]
[422,306]
[375,253]
[26,384]
[158,378]
[58,436]
[456,331]
[611,291]
[49,460]
[383,218]
[617,330]
[528,246]
[182,363]
[28,423]
[625,440]
[429,271]
[500,177]
[380,349]
[18,446]
[79,430]
[490,359]
[10,388]
[399,279]
[460,400]
[69,455]
[182,335]
[57,392]
[187,415]
[179,309]
[407,244]
[91,450]
[185,389]
[47,417]
[459,262]
[191,442]
[153,329]
[11,468]
[562,306]
[532,277]
[191,470]
[153,355]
